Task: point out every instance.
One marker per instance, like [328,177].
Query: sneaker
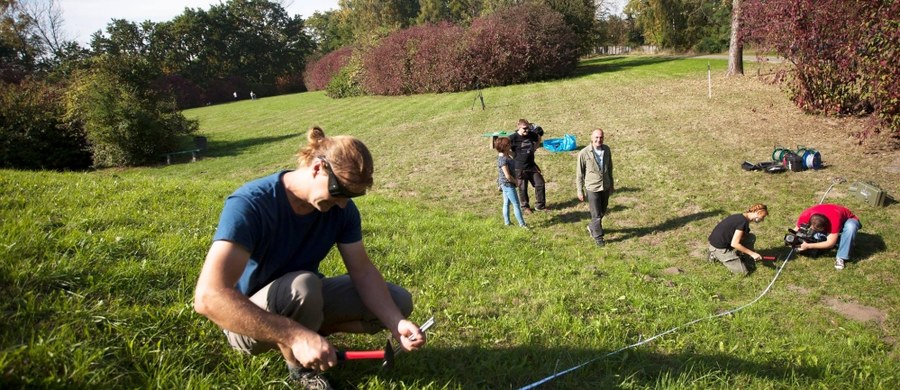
[309,379]
[839,263]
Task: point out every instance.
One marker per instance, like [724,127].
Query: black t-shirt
[724,231]
[524,147]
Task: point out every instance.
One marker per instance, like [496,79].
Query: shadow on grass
[624,234]
[233,148]
[473,367]
[865,246]
[615,64]
[579,215]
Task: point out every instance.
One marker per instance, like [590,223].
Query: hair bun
[315,134]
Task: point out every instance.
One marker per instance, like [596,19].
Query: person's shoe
[839,263]
[710,257]
[599,242]
[309,379]
[545,208]
[526,210]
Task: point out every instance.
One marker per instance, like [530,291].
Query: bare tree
[735,47]
[47,20]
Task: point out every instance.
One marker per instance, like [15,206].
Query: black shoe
[599,242]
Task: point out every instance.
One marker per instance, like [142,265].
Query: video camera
[804,234]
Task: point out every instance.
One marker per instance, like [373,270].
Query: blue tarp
[564,144]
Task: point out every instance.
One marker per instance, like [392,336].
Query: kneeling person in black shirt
[732,235]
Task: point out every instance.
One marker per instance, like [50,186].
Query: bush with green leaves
[126,122]
[347,81]
[32,132]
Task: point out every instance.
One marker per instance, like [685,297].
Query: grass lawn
[98,268]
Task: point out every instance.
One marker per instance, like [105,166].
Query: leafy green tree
[32,132]
[464,11]
[125,121]
[125,37]
[20,45]
[700,25]
[329,30]
[433,11]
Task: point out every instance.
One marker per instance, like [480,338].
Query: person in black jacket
[525,142]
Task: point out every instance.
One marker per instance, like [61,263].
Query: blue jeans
[511,197]
[848,234]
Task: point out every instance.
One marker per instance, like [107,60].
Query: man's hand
[312,351]
[803,246]
[409,335]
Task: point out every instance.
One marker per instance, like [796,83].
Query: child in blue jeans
[507,181]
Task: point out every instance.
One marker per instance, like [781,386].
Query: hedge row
[519,44]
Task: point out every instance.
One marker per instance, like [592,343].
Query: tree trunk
[735,47]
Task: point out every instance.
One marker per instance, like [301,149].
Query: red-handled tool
[386,355]
[769,258]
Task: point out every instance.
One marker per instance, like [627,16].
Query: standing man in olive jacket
[594,176]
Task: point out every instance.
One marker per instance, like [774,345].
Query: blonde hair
[758,207]
[347,157]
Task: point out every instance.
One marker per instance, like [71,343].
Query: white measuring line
[561,373]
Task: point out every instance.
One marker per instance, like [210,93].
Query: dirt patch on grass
[798,289]
[855,311]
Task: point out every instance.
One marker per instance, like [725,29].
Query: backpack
[792,161]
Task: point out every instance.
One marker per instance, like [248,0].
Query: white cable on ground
[559,374]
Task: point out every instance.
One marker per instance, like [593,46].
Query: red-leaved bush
[523,43]
[844,52]
[415,60]
[518,44]
[319,73]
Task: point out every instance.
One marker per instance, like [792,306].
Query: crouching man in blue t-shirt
[260,281]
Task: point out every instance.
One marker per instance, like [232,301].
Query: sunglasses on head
[335,188]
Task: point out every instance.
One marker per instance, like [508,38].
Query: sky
[84,17]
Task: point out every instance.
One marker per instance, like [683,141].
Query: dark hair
[349,158]
[819,223]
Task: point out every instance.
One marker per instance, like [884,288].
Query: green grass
[98,268]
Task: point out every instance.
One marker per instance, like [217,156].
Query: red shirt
[835,214]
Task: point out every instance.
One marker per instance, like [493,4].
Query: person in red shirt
[835,221]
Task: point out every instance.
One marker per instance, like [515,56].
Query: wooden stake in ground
[709,80]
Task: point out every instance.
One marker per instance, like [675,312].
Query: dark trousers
[598,201]
[537,181]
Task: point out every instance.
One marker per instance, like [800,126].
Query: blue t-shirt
[258,217]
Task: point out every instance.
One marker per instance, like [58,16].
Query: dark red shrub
[523,43]
[387,65]
[843,52]
[518,44]
[436,65]
[319,73]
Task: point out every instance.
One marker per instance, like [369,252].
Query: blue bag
[564,144]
